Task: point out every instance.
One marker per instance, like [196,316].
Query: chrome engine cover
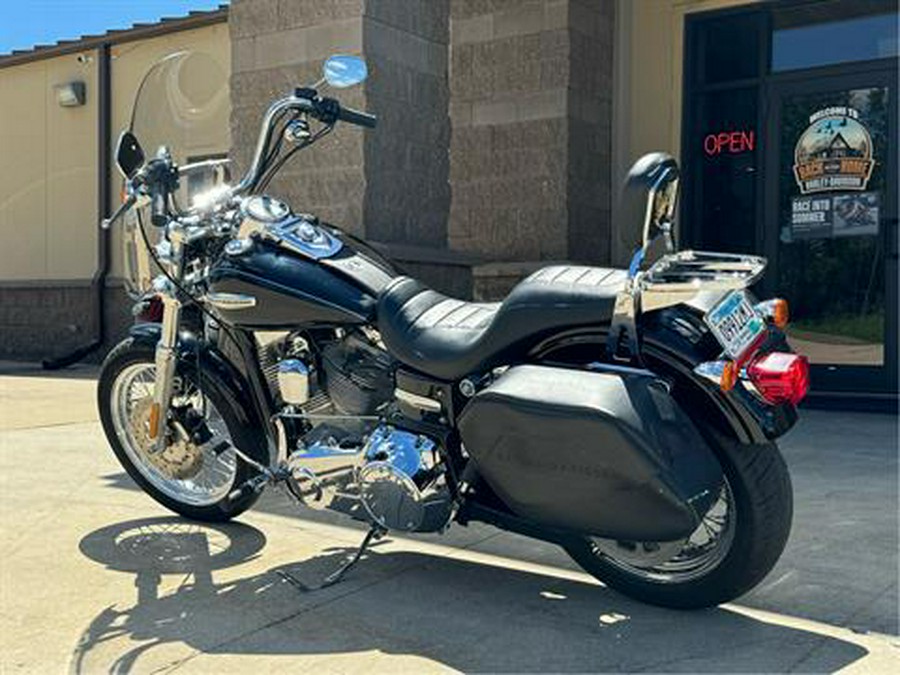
[396,480]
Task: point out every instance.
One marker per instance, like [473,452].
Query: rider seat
[449,339]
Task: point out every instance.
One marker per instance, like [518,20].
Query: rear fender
[673,342]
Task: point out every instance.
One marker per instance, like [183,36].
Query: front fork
[166,360]
[167,348]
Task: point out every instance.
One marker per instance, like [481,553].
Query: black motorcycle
[629,416]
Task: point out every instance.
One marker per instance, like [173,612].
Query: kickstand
[374,534]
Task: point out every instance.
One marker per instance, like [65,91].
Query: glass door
[831,223]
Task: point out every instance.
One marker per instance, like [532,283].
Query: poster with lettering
[834,153]
[833,162]
[811,218]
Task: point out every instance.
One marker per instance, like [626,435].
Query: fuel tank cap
[265,209]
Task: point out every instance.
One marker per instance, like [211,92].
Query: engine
[345,457]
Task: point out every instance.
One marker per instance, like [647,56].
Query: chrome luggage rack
[678,277]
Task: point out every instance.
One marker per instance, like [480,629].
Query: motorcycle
[629,416]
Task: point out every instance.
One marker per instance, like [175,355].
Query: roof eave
[143,31]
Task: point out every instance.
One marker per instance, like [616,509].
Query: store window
[728,49]
[790,150]
[832,185]
[831,32]
[728,146]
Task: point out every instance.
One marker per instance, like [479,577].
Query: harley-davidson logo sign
[834,153]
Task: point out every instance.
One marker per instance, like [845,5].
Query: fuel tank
[266,284]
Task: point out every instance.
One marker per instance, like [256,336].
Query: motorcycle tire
[761,491]
[130,352]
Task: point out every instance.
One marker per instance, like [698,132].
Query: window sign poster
[833,162]
[852,214]
[834,153]
[811,217]
[855,214]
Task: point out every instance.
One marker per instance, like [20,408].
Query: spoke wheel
[677,562]
[738,541]
[190,473]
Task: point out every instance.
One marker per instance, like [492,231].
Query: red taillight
[780,377]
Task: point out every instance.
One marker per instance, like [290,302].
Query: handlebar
[106,223]
[357,117]
[302,100]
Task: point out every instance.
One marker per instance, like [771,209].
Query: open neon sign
[729,142]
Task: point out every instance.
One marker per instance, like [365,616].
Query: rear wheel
[738,542]
[198,468]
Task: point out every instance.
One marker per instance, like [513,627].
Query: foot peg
[375,533]
[248,487]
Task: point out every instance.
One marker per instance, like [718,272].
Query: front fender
[211,360]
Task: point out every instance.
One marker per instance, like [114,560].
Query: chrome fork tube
[166,349]
[165,359]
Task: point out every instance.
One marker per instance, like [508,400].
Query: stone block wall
[406,162]
[388,184]
[52,319]
[529,150]
[589,114]
[278,45]
[494,121]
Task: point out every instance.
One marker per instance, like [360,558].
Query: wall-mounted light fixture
[70,94]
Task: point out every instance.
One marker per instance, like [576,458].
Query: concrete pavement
[98,578]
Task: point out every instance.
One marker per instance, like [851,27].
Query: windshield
[183,103]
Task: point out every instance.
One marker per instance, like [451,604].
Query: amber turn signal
[729,376]
[775,310]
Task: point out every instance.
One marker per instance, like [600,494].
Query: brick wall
[278,45]
[406,162]
[589,116]
[494,122]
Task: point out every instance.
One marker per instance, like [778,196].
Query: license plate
[735,323]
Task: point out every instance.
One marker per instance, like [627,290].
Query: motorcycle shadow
[459,613]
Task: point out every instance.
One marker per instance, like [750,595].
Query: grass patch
[864,327]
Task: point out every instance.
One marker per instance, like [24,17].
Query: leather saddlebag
[601,453]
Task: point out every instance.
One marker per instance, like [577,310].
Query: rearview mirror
[129,155]
[343,71]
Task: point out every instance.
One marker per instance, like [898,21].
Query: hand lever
[106,223]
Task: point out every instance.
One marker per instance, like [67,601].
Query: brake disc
[180,459]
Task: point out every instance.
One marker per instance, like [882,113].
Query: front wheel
[738,542]
[198,468]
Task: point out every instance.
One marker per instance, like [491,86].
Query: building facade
[505,127]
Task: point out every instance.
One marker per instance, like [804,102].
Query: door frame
[837,379]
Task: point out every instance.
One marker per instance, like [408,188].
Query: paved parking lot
[97,578]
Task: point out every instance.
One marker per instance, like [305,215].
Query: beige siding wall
[48,172]
[48,154]
[648,79]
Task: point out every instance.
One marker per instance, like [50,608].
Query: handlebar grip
[158,207]
[360,119]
